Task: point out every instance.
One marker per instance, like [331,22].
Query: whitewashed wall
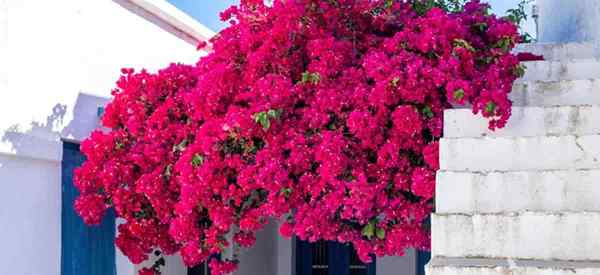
[569,21]
[58,62]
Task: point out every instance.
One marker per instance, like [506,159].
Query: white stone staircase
[525,199]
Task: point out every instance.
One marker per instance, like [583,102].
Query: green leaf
[461,43]
[264,118]
[388,4]
[490,107]
[459,94]
[481,27]
[286,192]
[197,160]
[312,78]
[380,233]
[119,145]
[520,70]
[427,112]
[421,7]
[369,230]
[274,113]
[485,60]
[504,44]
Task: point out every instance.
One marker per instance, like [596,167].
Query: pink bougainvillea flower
[325,115]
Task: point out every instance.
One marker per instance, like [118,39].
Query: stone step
[561,70]
[556,51]
[526,121]
[520,153]
[527,235]
[556,93]
[509,192]
[477,266]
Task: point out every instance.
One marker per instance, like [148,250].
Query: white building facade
[525,200]
[59,61]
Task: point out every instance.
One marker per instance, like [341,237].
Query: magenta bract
[325,115]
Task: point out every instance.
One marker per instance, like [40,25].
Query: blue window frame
[329,258]
[85,250]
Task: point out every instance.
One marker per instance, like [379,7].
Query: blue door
[85,250]
[201,269]
[423,258]
[329,258]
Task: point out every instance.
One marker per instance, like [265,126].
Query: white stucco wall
[262,257]
[569,21]
[29,210]
[405,265]
[59,61]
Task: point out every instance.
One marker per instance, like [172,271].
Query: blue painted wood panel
[332,258]
[85,250]
[423,258]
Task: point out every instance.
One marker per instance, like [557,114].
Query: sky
[207,11]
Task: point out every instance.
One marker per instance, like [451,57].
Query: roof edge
[171,19]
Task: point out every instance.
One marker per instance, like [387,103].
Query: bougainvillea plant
[325,115]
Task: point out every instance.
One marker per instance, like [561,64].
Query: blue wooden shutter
[329,258]
[423,258]
[85,250]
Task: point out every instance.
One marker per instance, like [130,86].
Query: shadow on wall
[85,117]
[43,139]
[40,140]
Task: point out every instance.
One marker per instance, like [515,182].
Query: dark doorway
[329,258]
[201,269]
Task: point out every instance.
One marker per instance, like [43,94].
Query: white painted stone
[526,121]
[520,153]
[569,21]
[556,93]
[558,51]
[450,270]
[502,192]
[529,235]
[561,70]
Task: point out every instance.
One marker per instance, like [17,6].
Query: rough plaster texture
[569,21]
[261,258]
[526,122]
[450,270]
[524,200]
[499,266]
[30,216]
[552,51]
[405,265]
[556,93]
[520,153]
[508,192]
[527,235]
[561,70]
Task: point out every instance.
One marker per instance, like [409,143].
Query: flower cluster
[325,115]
